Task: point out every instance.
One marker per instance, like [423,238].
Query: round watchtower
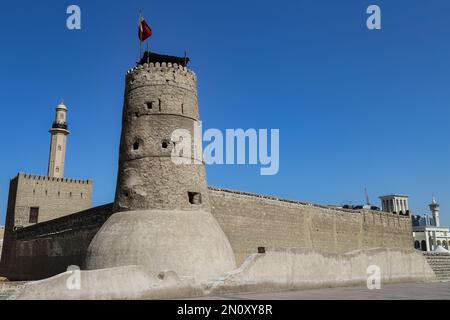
[160,102]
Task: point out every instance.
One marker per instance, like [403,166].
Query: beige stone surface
[248,220]
[274,270]
[300,268]
[48,248]
[131,282]
[251,221]
[55,197]
[190,243]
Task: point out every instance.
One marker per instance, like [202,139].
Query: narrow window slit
[195,198]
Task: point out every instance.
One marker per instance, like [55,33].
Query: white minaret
[58,143]
[434,207]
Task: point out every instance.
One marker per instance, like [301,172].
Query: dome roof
[61,105]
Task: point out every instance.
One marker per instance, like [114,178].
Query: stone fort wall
[46,249]
[249,221]
[55,197]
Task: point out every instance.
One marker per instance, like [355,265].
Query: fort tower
[160,100]
[162,216]
[58,143]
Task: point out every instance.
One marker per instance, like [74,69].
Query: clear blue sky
[355,108]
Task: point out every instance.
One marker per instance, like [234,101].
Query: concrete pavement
[403,291]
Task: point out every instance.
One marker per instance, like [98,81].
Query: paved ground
[408,291]
[413,291]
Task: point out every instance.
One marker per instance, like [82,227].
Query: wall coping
[303,203]
[71,222]
[29,176]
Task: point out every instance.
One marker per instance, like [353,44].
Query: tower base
[190,243]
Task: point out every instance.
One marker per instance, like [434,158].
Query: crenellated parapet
[28,176]
[160,114]
[160,74]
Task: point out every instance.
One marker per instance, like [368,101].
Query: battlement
[289,201]
[163,73]
[53,179]
[163,67]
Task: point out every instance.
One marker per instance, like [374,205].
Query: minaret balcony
[59,125]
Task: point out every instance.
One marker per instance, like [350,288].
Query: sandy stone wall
[48,248]
[274,270]
[251,221]
[303,268]
[248,220]
[55,197]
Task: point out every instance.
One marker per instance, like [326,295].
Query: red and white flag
[144,30]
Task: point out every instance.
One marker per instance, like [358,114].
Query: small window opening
[46,192]
[165,144]
[70,194]
[136,114]
[34,192]
[34,215]
[82,195]
[195,198]
[149,105]
[182,108]
[59,193]
[136,146]
[159,104]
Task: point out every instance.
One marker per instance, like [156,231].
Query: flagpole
[140,34]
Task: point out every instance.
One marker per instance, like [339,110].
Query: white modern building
[395,204]
[427,231]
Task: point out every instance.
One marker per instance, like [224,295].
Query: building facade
[428,233]
[395,204]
